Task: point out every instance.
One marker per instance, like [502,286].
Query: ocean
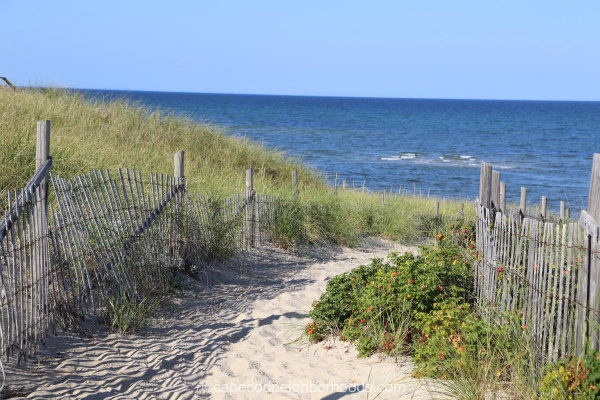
[429,146]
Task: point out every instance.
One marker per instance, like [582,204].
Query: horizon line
[323,96]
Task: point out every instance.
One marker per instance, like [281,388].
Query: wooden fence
[104,237]
[545,270]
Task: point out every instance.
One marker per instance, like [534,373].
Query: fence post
[495,190]
[544,208]
[502,197]
[178,158]
[42,151]
[178,174]
[250,207]
[41,249]
[437,208]
[485,180]
[523,204]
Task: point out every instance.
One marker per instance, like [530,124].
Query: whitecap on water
[403,156]
[447,160]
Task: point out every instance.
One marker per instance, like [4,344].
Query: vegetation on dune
[89,135]
[100,134]
[374,303]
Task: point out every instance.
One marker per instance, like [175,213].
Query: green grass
[133,315]
[87,135]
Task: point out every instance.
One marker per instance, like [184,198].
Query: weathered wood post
[523,204]
[562,211]
[250,208]
[461,211]
[41,250]
[495,190]
[485,181]
[587,324]
[502,197]
[42,152]
[544,208]
[178,161]
[383,198]
[178,174]
[437,208]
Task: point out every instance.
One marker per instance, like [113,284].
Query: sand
[233,333]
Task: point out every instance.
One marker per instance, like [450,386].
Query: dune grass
[96,134]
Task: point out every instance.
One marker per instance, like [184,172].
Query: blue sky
[525,49]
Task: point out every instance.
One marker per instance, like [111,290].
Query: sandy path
[236,330]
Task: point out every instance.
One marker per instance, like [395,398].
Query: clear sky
[509,49]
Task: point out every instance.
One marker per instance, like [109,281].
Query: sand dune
[235,333]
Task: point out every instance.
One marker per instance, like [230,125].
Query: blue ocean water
[435,146]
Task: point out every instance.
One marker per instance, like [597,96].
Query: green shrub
[376,302]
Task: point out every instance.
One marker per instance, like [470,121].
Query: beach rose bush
[374,304]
